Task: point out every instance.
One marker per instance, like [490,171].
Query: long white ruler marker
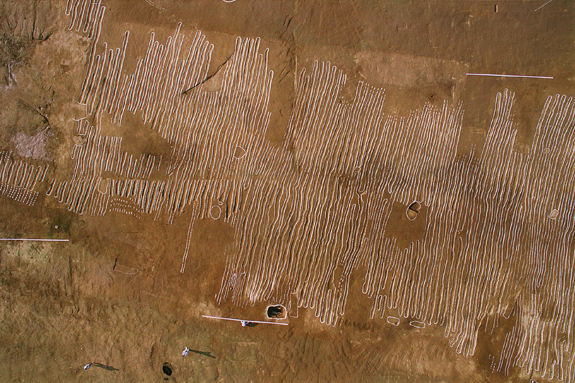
[34,239]
[507,75]
[244,320]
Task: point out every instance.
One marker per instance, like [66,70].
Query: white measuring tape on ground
[34,239]
[507,75]
[244,321]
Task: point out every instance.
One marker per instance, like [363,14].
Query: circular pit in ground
[276,312]
[167,369]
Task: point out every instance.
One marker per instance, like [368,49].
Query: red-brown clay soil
[415,222]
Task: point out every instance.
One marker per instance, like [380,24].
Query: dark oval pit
[167,369]
[276,312]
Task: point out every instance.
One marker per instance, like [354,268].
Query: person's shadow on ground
[204,353]
[108,368]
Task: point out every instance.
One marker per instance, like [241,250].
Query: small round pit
[167,369]
[413,210]
[276,312]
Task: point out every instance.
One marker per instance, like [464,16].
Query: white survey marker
[244,321]
[34,239]
[506,75]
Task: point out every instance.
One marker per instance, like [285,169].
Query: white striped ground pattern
[499,225]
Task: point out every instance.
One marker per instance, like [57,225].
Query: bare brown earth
[115,296]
